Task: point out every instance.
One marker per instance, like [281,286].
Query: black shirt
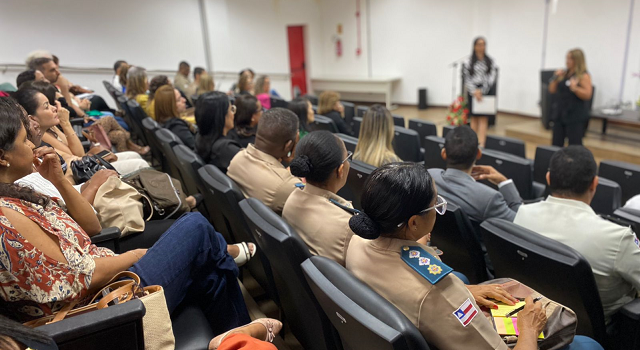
[182,130]
[243,140]
[569,108]
[221,152]
[343,127]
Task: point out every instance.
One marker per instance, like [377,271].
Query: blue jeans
[190,261]
[580,342]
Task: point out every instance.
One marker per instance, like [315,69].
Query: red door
[297,60]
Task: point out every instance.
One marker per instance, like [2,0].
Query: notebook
[507,325]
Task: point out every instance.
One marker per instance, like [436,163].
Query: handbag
[561,320]
[83,169]
[125,286]
[164,195]
[118,204]
[99,135]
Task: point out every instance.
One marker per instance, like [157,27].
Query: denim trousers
[191,263]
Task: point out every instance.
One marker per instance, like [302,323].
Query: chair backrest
[361,111]
[627,175]
[312,98]
[632,216]
[149,127]
[406,144]
[433,146]
[398,120]
[542,161]
[188,164]
[607,198]
[137,115]
[540,263]
[223,197]
[111,90]
[424,129]
[349,111]
[121,101]
[349,141]
[506,145]
[352,190]
[285,250]
[321,122]
[520,170]
[167,140]
[363,318]
[278,102]
[454,234]
[357,121]
[446,129]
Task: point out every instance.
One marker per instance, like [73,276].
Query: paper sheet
[485,107]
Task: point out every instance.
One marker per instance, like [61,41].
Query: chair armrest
[627,321]
[109,238]
[99,323]
[631,310]
[86,144]
[77,121]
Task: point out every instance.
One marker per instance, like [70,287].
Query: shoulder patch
[466,313]
[636,241]
[428,266]
[299,185]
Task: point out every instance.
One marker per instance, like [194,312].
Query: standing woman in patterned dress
[480,74]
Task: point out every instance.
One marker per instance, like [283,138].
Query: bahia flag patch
[466,313]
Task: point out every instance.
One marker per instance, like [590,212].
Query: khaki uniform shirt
[262,176]
[430,307]
[181,82]
[611,250]
[322,225]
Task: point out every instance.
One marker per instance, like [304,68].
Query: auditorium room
[320,175]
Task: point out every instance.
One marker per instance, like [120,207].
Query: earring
[8,165]
[289,154]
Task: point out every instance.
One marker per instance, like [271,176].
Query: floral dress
[33,284]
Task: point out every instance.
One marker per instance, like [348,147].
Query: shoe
[273,327]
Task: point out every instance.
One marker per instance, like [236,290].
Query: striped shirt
[481,79]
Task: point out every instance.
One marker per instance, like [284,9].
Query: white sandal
[247,251]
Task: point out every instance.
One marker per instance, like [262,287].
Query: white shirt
[613,251]
[116,83]
[633,203]
[42,185]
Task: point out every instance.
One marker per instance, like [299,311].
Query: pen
[515,311]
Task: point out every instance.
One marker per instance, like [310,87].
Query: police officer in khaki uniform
[258,170]
[399,207]
[316,212]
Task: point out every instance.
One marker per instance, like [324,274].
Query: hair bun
[362,225]
[301,166]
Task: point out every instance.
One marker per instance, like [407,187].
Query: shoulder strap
[345,208]
[428,266]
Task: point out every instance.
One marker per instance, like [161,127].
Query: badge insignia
[414,254]
[424,261]
[405,248]
[466,313]
[435,269]
[636,241]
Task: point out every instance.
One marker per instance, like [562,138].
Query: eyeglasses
[440,207]
[233,109]
[349,155]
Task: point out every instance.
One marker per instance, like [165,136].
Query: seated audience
[155,83]
[137,85]
[115,81]
[375,144]
[633,203]
[399,205]
[122,76]
[304,110]
[262,88]
[329,105]
[234,88]
[245,83]
[181,80]
[70,267]
[258,169]
[323,161]
[458,183]
[205,84]
[214,117]
[168,105]
[197,73]
[566,216]
[30,75]
[248,114]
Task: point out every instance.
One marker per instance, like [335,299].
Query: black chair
[627,175]
[631,216]
[423,128]
[321,122]
[398,120]
[278,102]
[352,190]
[506,145]
[167,140]
[115,327]
[542,161]
[137,114]
[349,111]
[357,121]
[150,126]
[363,318]
[406,145]
[520,170]
[446,129]
[540,263]
[222,196]
[433,146]
[285,250]
[607,198]
[188,164]
[361,111]
[111,90]
[349,141]
[455,235]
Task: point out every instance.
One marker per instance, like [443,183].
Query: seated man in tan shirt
[258,170]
